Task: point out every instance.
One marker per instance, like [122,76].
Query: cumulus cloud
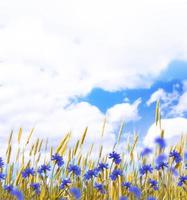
[71,40]
[124,112]
[53,52]
[54,120]
[173,108]
[180,108]
[173,104]
[167,100]
[174,128]
[157,95]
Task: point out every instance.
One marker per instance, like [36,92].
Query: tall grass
[126,175]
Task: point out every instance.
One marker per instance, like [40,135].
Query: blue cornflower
[2,176]
[151,198]
[161,165]
[100,188]
[182,180]
[161,142]
[154,184]
[115,174]
[127,185]
[176,156]
[145,169]
[1,162]
[174,171]
[146,151]
[161,162]
[43,169]
[75,169]
[102,166]
[90,174]
[65,182]
[8,188]
[123,198]
[28,172]
[161,158]
[36,187]
[75,192]
[136,191]
[18,194]
[115,157]
[58,159]
[97,170]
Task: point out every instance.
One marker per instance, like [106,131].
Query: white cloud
[174,128]
[124,112]
[181,108]
[173,104]
[54,121]
[52,52]
[167,100]
[157,95]
[131,41]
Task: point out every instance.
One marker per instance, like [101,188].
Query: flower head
[102,166]
[154,184]
[1,162]
[146,169]
[75,169]
[18,194]
[161,158]
[115,157]
[2,176]
[8,188]
[161,165]
[114,175]
[146,151]
[28,172]
[182,180]
[176,156]
[75,192]
[161,142]
[65,182]
[136,191]
[151,198]
[127,185]
[90,174]
[36,187]
[43,169]
[100,188]
[58,159]
[161,162]
[174,171]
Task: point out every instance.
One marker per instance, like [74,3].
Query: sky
[65,65]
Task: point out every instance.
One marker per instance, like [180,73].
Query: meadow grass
[70,173]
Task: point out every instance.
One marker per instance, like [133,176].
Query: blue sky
[173,75]
[63,67]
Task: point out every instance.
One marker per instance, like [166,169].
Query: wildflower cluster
[116,175]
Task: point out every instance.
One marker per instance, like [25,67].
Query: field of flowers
[152,173]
